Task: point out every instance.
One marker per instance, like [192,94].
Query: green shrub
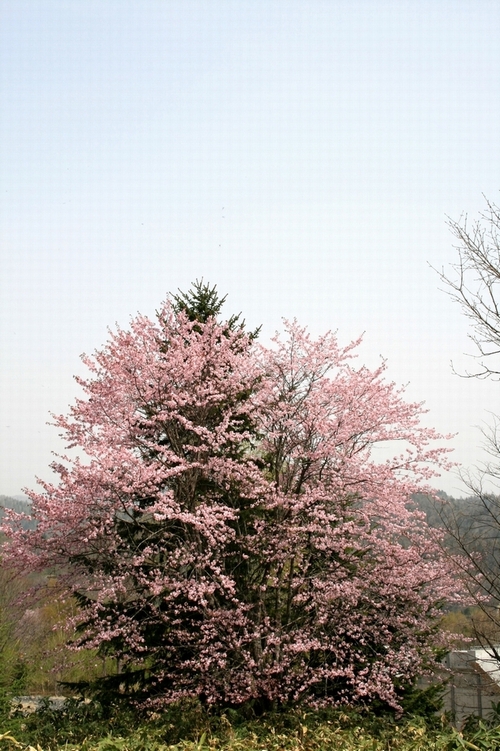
[188,727]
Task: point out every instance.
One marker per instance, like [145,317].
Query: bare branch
[475,284]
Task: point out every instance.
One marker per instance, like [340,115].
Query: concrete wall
[473,686]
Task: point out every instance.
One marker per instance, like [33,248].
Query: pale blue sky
[302,156]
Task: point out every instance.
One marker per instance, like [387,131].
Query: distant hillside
[471,524]
[434,512]
[19,504]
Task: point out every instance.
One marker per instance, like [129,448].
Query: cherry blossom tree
[227,531]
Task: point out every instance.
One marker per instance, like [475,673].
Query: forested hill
[432,508]
[440,512]
[22,506]
[17,504]
[471,525]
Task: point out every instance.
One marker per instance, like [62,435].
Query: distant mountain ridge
[18,503]
[21,504]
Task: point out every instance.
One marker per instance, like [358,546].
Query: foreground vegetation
[91,727]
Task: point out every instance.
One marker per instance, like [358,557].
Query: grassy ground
[188,728]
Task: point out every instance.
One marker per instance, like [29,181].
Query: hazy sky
[302,156]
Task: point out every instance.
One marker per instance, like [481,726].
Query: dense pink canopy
[229,531]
